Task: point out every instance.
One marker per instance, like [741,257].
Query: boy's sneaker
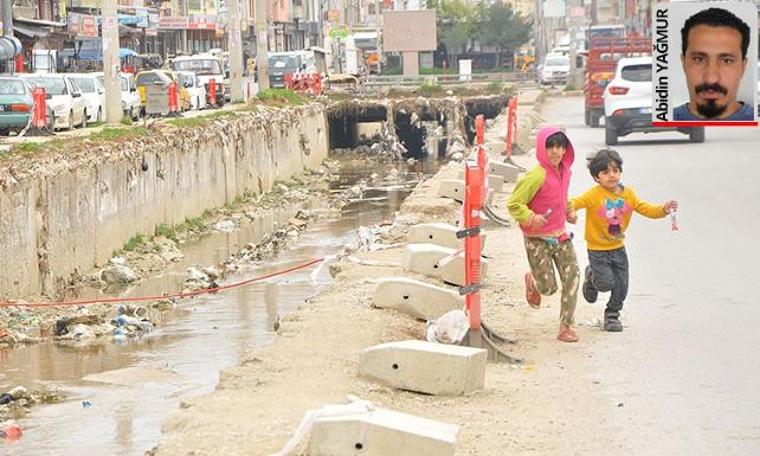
[612,323]
[590,293]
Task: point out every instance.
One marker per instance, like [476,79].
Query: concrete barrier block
[381,432]
[425,258]
[441,234]
[452,188]
[415,298]
[507,171]
[451,269]
[425,367]
[495,183]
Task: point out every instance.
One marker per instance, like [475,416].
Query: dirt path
[551,404]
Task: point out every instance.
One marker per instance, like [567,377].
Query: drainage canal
[118,394]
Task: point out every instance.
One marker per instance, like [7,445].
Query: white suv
[554,70]
[628,102]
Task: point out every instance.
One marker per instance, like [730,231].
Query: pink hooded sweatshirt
[543,188]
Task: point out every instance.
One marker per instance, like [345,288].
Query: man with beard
[714,46]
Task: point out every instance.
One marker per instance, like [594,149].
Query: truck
[601,59]
[208,67]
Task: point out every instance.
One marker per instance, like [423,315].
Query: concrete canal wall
[67,214]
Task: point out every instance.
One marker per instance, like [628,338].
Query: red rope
[170,296]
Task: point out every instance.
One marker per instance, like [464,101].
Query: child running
[539,204]
[609,206]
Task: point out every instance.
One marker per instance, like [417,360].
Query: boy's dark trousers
[609,270]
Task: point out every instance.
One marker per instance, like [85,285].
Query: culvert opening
[353,125]
[412,135]
[490,107]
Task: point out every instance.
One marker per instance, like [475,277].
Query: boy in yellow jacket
[609,206]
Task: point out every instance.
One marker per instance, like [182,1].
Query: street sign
[338,33]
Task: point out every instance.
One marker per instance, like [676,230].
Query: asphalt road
[687,367]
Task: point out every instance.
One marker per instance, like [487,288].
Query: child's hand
[538,221]
[670,206]
[572,217]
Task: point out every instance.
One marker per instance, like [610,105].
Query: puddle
[118,394]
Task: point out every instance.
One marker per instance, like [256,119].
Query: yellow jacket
[608,215]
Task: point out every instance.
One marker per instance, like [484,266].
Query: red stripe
[700,123]
[161,297]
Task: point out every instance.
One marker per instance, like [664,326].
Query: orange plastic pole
[19,63]
[212,92]
[472,203]
[480,132]
[511,125]
[173,102]
[39,115]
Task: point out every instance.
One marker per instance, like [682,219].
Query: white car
[66,100]
[194,87]
[131,105]
[554,70]
[94,95]
[628,102]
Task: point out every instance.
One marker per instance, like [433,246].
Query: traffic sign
[338,33]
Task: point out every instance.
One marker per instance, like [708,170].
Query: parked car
[130,99]
[16,105]
[554,69]
[758,89]
[282,63]
[94,94]
[195,90]
[66,99]
[628,102]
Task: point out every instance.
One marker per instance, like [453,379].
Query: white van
[207,67]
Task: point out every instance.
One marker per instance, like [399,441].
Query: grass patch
[281,97]
[134,242]
[127,120]
[116,134]
[28,147]
[200,121]
[191,224]
[165,231]
[34,147]
[427,89]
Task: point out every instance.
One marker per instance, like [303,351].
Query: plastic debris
[10,432]
[449,328]
[86,404]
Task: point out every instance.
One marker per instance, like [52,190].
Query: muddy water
[182,357]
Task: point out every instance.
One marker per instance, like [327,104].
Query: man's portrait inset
[714,45]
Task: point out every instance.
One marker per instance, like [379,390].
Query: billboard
[409,31]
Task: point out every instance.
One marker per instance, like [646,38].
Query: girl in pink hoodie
[539,204]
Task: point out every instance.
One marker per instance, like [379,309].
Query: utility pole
[378,17]
[235,42]
[262,46]
[8,28]
[111,62]
[183,33]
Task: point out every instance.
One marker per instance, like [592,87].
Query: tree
[504,29]
[456,21]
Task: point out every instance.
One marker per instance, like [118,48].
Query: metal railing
[448,79]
